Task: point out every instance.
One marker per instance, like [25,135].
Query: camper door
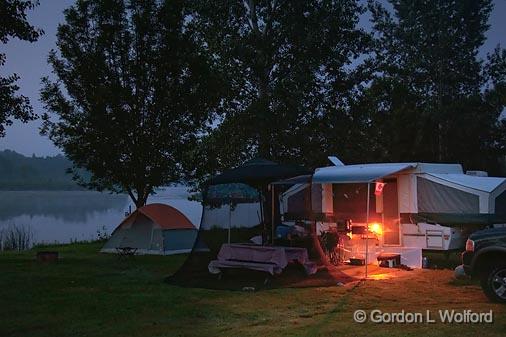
[391,217]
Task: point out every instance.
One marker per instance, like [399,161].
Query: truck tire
[493,283]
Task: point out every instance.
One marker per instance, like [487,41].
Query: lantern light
[375,228]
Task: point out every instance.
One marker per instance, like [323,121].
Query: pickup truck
[485,258]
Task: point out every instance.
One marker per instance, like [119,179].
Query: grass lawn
[92,294]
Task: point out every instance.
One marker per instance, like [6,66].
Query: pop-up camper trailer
[412,206]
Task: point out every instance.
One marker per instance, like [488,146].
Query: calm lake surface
[64,216]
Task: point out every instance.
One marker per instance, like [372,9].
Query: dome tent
[154,229]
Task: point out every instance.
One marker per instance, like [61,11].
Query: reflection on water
[63,216]
[67,206]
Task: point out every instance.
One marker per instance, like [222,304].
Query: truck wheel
[493,284]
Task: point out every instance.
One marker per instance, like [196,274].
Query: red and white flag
[379,188]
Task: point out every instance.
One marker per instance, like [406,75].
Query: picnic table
[270,259]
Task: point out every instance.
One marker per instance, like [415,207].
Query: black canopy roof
[258,172]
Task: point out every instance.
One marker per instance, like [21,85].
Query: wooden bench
[215,266]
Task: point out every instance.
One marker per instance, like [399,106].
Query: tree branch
[130,193]
[251,13]
[268,19]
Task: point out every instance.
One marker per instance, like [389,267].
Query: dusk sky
[28,60]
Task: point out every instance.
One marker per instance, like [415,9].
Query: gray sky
[28,60]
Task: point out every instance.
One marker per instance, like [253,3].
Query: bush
[16,237]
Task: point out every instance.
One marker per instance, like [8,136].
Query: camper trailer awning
[350,174]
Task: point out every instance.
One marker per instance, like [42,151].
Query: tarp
[349,174]
[257,172]
[302,179]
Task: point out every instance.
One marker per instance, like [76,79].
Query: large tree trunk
[140,197]
[263,113]
[141,201]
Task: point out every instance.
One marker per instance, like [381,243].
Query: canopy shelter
[233,217]
[258,173]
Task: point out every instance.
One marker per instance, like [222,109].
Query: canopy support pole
[272,214]
[367,229]
[262,216]
[229,219]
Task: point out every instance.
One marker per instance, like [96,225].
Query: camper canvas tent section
[438,210]
[154,229]
[460,194]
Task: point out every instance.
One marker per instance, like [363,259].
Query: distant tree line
[18,172]
[154,92]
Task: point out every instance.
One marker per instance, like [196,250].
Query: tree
[495,99]
[291,77]
[13,23]
[133,96]
[430,99]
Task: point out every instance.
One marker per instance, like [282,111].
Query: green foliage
[305,82]
[16,237]
[433,98]
[133,96]
[147,90]
[13,23]
[289,75]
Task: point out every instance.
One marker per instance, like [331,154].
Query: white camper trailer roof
[364,173]
[485,184]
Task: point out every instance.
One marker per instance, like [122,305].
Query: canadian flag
[379,188]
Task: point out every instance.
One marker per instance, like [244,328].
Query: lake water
[64,216]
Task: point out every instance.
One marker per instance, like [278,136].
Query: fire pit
[47,256]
